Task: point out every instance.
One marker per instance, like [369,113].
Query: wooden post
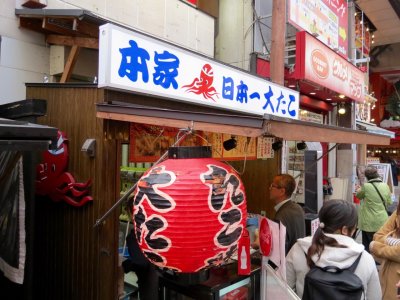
[278,41]
[362,155]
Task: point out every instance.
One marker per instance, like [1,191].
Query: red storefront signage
[318,64]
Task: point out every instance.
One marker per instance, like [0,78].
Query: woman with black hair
[332,245]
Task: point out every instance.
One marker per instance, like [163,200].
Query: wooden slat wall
[72,259]
[257,177]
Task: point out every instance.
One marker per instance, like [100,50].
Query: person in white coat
[333,245]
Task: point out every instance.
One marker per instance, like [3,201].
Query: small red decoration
[189,214]
[52,179]
[265,237]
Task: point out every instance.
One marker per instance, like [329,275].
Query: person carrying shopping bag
[375,198]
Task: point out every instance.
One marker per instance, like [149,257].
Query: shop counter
[222,283]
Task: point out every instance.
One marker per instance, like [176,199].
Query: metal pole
[124,197]
[319,158]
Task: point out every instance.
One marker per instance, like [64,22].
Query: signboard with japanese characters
[319,64]
[141,64]
[264,147]
[326,19]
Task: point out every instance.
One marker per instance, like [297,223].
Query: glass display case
[273,287]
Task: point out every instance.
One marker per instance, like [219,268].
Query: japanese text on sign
[135,62]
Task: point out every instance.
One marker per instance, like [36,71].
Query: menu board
[385,172]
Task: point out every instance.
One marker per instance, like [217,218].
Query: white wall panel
[204,34]
[233,45]
[176,29]
[95,6]
[123,11]
[24,56]
[171,20]
[152,16]
[12,83]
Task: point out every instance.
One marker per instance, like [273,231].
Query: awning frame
[240,124]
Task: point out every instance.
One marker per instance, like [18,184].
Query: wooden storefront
[74,260]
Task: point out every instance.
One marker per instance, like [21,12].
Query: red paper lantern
[189,213]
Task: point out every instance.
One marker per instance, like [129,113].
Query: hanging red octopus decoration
[189,214]
[53,180]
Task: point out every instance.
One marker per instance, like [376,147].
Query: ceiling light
[277,145]
[328,99]
[230,144]
[312,93]
[341,109]
[341,96]
[301,146]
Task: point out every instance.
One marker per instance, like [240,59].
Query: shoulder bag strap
[353,267]
[383,202]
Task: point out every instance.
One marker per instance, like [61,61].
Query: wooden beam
[64,26]
[91,43]
[204,126]
[34,24]
[69,65]
[89,29]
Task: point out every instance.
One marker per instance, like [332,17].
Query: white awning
[372,128]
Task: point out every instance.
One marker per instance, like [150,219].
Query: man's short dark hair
[287,182]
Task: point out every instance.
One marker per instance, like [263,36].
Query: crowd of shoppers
[333,242]
[332,245]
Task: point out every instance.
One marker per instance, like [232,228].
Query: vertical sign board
[135,62]
[326,19]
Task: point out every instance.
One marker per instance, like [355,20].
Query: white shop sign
[135,62]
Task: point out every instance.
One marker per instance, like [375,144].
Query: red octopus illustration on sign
[203,85]
[52,179]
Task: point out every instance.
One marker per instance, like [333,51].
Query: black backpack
[333,283]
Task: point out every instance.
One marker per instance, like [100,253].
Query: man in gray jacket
[288,212]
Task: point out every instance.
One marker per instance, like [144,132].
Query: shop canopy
[238,124]
[372,128]
[25,136]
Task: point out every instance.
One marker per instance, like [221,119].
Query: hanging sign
[326,19]
[318,64]
[135,62]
